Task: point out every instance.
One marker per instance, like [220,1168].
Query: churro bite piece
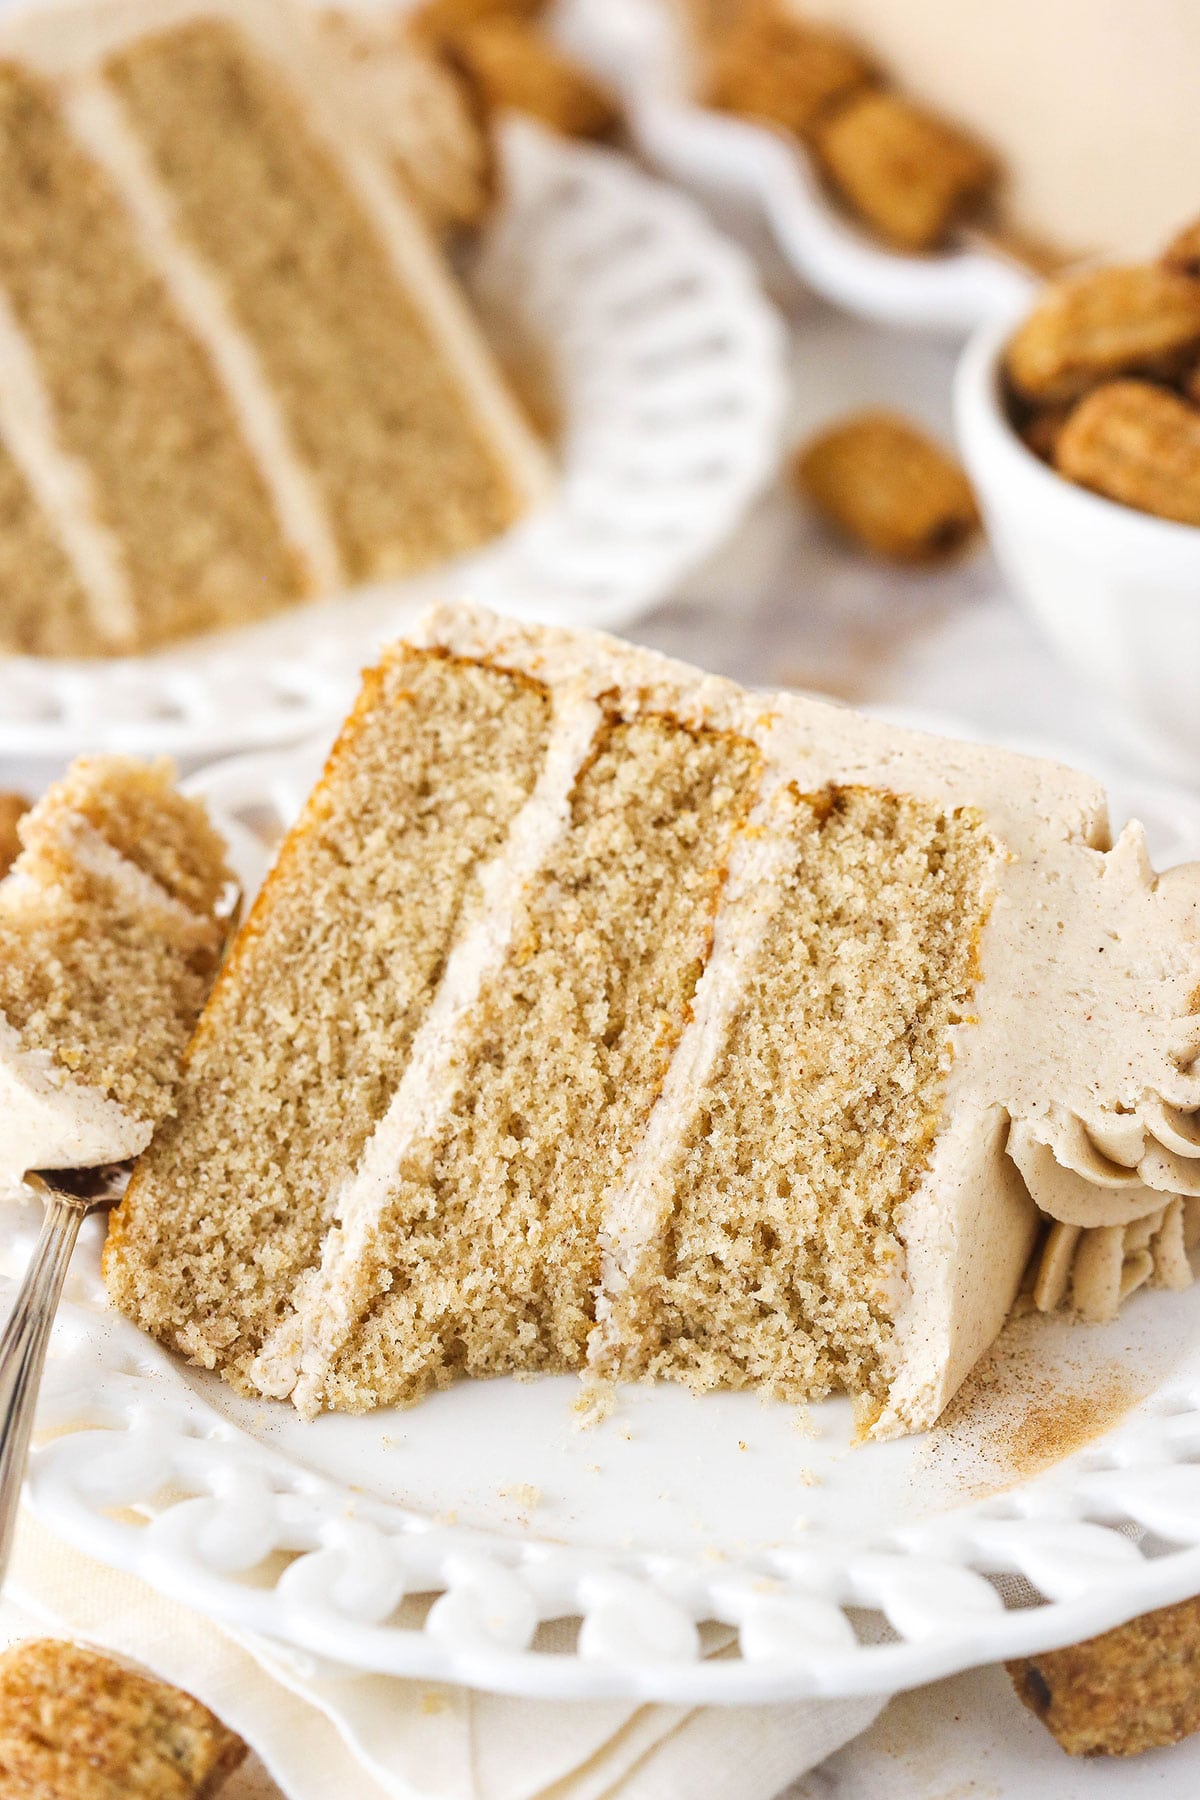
[1041,427]
[1183,251]
[1087,328]
[883,483]
[770,65]
[1138,444]
[1133,1689]
[78,1725]
[518,69]
[907,173]
[443,18]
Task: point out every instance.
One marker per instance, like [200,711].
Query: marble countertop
[783,604]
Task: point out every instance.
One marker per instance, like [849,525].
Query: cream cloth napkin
[367,1737]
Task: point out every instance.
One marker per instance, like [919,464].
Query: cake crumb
[742,1444]
[803,1422]
[595,1402]
[809,1478]
[523,1494]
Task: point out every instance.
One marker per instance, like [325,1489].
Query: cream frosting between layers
[96,116]
[52,1121]
[636,1210]
[299,1353]
[1085,1031]
[60,484]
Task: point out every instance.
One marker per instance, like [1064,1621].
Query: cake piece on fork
[110,936]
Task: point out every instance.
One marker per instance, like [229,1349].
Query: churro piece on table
[772,66]
[77,1725]
[883,483]
[909,174]
[1087,328]
[1132,1689]
[1138,444]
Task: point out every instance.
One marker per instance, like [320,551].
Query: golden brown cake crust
[1129,1690]
[77,1725]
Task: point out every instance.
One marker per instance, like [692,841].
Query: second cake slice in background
[234,370]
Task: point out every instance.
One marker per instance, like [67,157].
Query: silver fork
[70,1195]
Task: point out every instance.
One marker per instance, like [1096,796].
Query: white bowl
[1116,591]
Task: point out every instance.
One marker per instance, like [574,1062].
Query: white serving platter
[697,1550]
[668,369]
[756,177]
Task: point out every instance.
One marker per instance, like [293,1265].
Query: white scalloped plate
[669,369]
[1061,1496]
[753,174]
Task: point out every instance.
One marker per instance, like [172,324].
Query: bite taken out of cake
[599,1014]
[111,930]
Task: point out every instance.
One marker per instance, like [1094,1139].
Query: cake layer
[307,1032]
[45,609]
[773,1258]
[133,394]
[486,1256]
[385,421]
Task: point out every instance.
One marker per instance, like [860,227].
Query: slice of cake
[110,936]
[599,1013]
[234,371]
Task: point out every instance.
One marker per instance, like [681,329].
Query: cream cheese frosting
[54,1122]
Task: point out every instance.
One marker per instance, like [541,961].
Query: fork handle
[23,1354]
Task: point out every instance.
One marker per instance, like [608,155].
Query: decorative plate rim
[240,1531]
[668,354]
